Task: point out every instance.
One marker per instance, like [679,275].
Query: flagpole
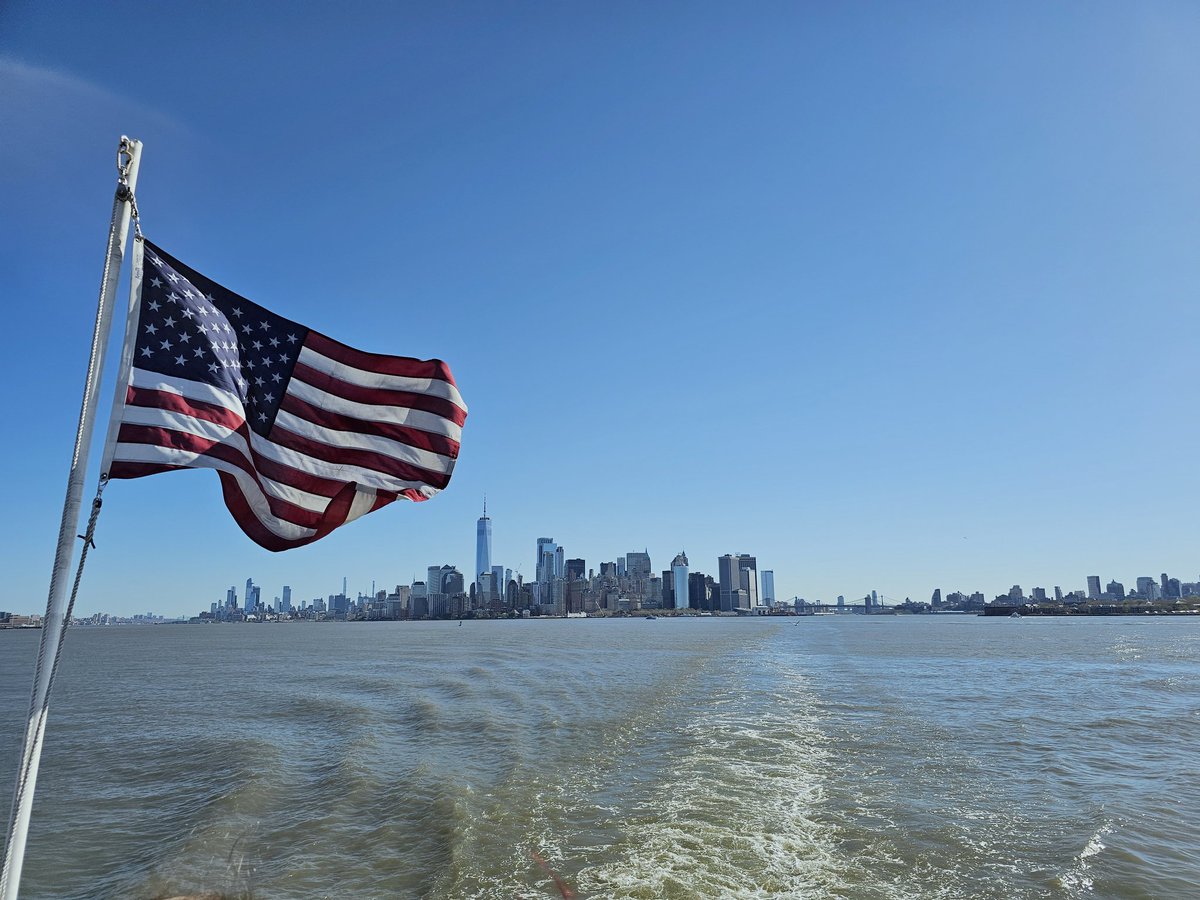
[54,626]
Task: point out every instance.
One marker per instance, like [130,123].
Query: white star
[247,329]
[188,294]
[291,339]
[249,363]
[146,352]
[185,337]
[187,313]
[203,328]
[155,260]
[240,382]
[274,342]
[227,328]
[258,382]
[173,297]
[283,358]
[265,361]
[212,367]
[210,298]
[276,377]
[198,352]
[169,321]
[237,312]
[180,360]
[172,277]
[262,417]
[151,328]
[264,326]
[268,398]
[203,310]
[156,281]
[166,345]
[153,306]
[257,345]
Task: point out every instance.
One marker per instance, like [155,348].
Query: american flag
[306,433]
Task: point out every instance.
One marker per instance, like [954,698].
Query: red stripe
[353,456]
[269,468]
[383,498]
[376,362]
[193,443]
[123,469]
[239,507]
[197,409]
[379,396]
[413,437]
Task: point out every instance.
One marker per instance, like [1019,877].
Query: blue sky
[893,296]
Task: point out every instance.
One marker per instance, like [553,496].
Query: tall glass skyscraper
[679,579]
[483,549]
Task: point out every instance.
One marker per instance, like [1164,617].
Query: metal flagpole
[54,627]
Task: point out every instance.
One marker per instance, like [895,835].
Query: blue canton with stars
[191,327]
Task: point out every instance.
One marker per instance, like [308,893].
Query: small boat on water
[1014,615]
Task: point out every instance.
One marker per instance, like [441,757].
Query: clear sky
[892,296]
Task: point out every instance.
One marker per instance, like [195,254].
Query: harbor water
[859,757]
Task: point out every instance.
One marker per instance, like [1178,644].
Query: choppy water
[882,757]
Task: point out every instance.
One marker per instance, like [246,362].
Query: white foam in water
[1078,877]
[731,814]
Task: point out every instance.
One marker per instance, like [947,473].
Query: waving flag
[306,433]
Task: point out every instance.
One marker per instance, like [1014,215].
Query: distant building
[576,568]
[768,587]
[679,579]
[1093,587]
[483,548]
[738,577]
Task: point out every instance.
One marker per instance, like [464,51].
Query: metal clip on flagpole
[58,608]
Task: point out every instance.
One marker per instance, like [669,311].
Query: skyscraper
[768,587]
[1093,582]
[638,565]
[748,579]
[287,599]
[544,545]
[729,578]
[679,577]
[483,549]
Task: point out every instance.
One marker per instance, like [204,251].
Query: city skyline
[730,574]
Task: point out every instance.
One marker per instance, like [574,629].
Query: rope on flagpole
[58,607]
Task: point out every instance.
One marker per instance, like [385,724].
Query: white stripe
[366,412]
[364,499]
[186,387]
[257,501]
[426,459]
[340,472]
[432,387]
[176,421]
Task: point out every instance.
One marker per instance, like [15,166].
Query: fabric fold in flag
[306,433]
